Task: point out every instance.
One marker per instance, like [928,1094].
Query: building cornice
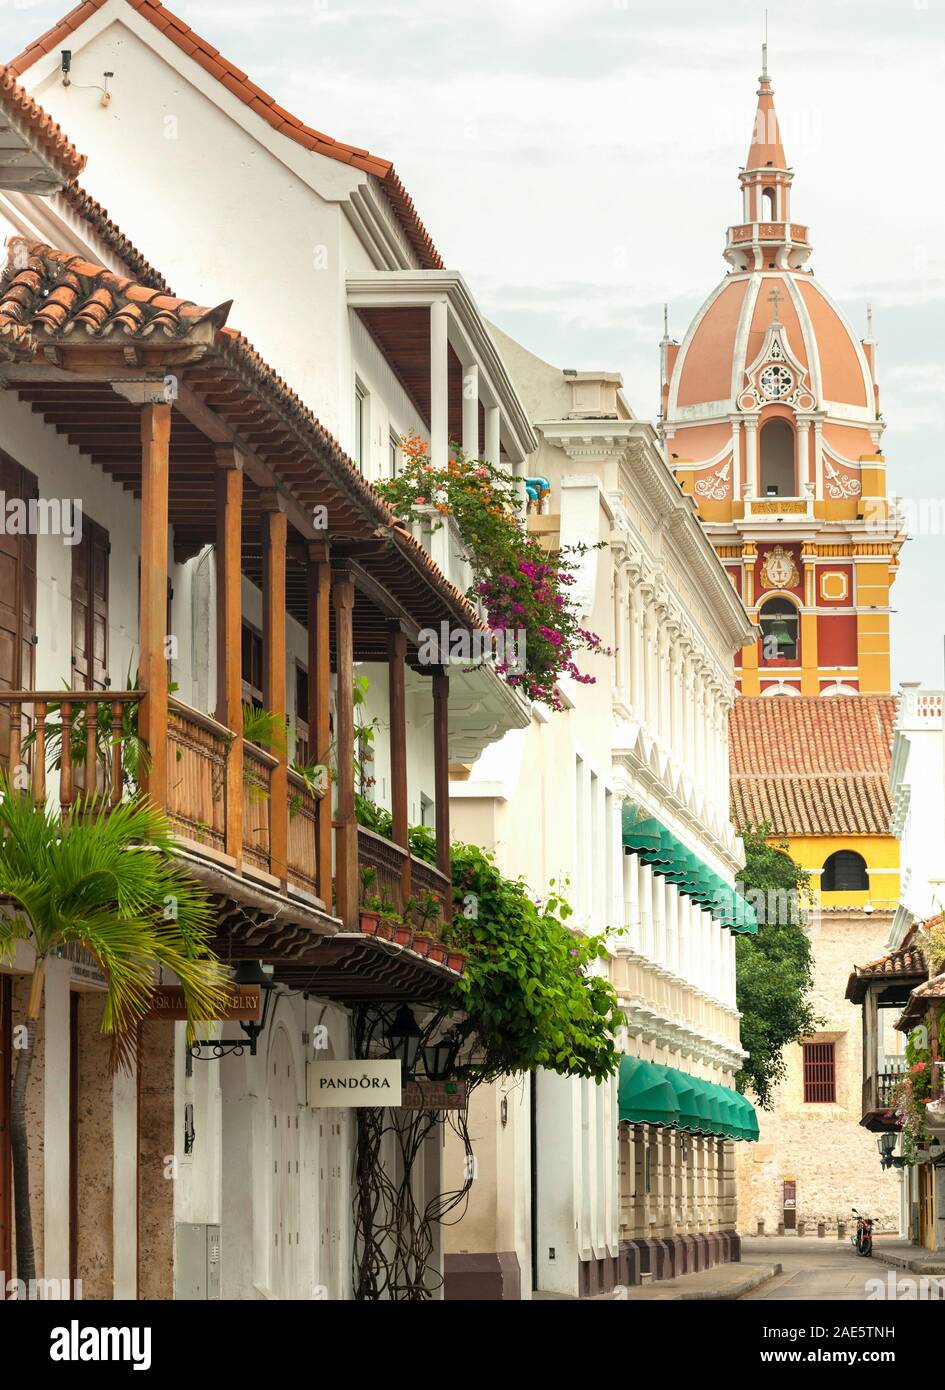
[634,444]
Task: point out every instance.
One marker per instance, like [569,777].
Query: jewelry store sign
[344,1084]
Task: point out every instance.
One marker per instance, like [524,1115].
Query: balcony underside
[351,968]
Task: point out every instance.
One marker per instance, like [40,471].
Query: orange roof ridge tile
[259,101]
[30,118]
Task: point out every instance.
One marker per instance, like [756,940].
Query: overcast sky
[577,161]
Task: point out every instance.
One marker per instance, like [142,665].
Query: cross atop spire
[764,52]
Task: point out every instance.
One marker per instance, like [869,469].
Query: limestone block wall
[822,1147]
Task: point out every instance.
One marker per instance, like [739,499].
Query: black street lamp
[886,1143]
[404,1036]
[439,1058]
[248,972]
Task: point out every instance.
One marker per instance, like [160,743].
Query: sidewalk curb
[734,1290]
[911,1266]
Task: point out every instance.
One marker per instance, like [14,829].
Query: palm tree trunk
[19,1138]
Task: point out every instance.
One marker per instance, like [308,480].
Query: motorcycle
[863,1240]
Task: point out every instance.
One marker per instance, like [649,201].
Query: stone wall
[94,1151]
[823,1147]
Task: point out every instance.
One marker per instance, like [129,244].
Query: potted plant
[390,921]
[370,902]
[424,914]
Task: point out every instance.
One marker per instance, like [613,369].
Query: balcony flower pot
[437,952]
[385,930]
[370,921]
[456,960]
[935,1115]
[422,943]
[402,934]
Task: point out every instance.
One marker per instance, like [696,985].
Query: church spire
[766,150]
[766,238]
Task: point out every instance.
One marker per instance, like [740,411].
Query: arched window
[779,635]
[769,205]
[777,459]
[845,872]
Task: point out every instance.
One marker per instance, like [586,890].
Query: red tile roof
[907,960]
[32,123]
[265,106]
[905,964]
[52,292]
[812,766]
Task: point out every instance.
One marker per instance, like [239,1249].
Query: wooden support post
[152,637]
[396,661]
[346,834]
[230,636]
[441,777]
[275,530]
[319,704]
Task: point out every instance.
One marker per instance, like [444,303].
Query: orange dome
[728,333]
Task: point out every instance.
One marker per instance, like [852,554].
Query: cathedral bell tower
[771,421]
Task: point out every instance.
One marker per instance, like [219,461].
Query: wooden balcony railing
[303,835]
[58,743]
[878,1090]
[44,747]
[196,778]
[387,859]
[257,782]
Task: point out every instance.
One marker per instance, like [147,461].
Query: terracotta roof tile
[907,960]
[31,123]
[905,963]
[238,83]
[50,292]
[812,766]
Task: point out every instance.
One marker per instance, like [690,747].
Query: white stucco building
[576,1194]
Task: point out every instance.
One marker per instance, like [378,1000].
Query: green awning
[644,1095]
[667,855]
[653,1094]
[689,1112]
[640,833]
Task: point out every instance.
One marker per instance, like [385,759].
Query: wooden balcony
[878,1092]
[44,735]
[376,852]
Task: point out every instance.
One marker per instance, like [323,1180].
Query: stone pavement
[818,1270]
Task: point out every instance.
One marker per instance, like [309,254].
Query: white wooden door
[333,1202]
[283,1099]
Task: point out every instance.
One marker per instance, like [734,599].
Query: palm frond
[107,880]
